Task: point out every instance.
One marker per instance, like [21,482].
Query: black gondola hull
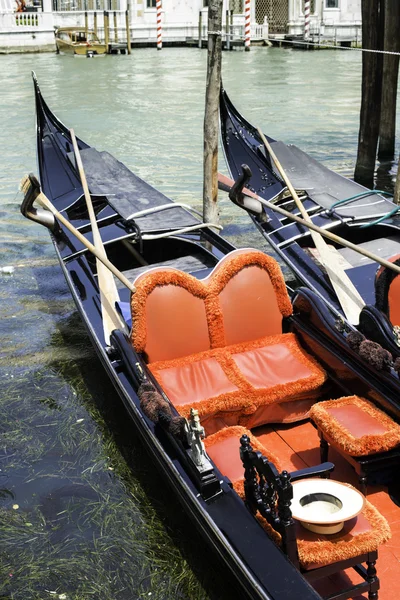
[369,220]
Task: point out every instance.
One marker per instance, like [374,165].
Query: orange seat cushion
[207,383]
[355,426]
[223,448]
[196,381]
[363,534]
[279,360]
[393,301]
[279,371]
[169,315]
[249,315]
[240,381]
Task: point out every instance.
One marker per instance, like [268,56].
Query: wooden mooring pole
[106,32]
[128,31]
[86,25]
[396,195]
[307,17]
[227,31]
[200,29]
[115,27]
[211,117]
[372,37]
[95,22]
[387,131]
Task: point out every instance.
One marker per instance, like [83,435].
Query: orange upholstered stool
[360,535]
[223,449]
[364,435]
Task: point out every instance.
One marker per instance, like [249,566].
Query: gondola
[219,372]
[359,215]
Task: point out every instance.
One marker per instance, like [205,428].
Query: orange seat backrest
[252,295]
[175,315]
[387,291]
[169,315]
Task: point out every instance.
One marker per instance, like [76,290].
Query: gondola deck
[310,343]
[106,176]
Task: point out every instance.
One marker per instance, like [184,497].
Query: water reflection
[385,178]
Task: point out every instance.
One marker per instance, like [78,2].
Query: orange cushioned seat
[217,344]
[355,426]
[223,449]
[363,534]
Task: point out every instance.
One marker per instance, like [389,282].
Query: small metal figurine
[195,435]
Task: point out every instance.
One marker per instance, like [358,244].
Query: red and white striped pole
[159,27]
[247,25]
[306,19]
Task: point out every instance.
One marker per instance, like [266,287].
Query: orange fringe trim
[341,436]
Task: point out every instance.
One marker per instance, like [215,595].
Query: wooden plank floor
[297,446]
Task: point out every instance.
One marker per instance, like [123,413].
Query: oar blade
[109,297]
[350,300]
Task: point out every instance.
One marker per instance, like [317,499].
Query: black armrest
[122,345]
[317,471]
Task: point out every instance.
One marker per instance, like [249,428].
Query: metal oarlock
[30,187]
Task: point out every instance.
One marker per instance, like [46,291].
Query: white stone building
[338,19]
[34,30]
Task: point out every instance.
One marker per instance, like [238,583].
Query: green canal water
[83,515]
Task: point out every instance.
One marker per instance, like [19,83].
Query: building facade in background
[33,29]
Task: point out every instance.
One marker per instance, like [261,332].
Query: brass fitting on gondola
[30,187]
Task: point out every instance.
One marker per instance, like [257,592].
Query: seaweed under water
[83,512]
[75,485]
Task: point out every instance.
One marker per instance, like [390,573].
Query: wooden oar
[348,295]
[108,289]
[226,184]
[30,187]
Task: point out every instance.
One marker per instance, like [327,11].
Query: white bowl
[323,505]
